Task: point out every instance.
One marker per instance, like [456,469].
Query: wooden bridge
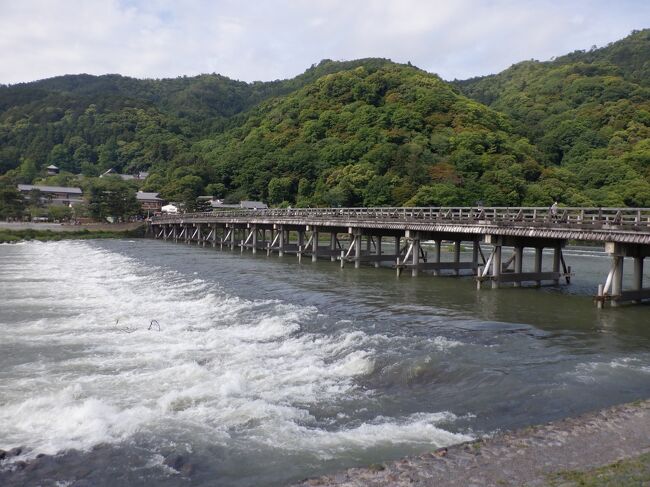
[395,235]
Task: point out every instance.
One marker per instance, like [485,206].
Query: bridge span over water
[395,236]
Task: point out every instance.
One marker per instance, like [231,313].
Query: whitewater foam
[220,365]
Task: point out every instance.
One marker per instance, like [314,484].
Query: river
[263,371]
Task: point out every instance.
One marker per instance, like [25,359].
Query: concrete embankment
[531,456]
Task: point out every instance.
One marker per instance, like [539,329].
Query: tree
[12,204]
[280,189]
[112,197]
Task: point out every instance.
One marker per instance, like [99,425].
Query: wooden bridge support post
[314,244]
[332,246]
[475,252]
[232,238]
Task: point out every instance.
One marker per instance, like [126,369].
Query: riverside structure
[359,235]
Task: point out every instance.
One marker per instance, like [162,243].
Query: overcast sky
[272,39]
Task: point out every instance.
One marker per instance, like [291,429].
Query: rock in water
[174,461]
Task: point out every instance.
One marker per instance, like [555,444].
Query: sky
[275,39]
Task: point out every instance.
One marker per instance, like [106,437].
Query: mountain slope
[588,112]
[363,132]
[392,135]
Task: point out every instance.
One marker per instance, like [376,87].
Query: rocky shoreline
[529,456]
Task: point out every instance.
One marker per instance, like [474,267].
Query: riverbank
[607,447]
[17,234]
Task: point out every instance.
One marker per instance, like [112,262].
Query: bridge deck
[624,225]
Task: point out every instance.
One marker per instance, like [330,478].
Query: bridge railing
[572,216]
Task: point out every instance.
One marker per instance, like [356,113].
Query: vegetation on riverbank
[633,472]
[12,236]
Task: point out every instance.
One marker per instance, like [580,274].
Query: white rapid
[82,365]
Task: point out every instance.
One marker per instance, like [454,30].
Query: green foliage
[587,112]
[111,197]
[366,132]
[11,201]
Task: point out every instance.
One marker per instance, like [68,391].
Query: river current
[262,371]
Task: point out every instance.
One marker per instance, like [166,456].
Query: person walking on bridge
[553,211]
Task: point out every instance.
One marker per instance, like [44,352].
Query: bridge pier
[438,250]
[626,231]
[498,272]
[314,244]
[378,249]
[618,295]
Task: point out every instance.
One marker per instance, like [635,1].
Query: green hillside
[588,113]
[364,132]
[387,136]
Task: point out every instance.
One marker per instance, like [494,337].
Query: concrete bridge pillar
[613,288]
[537,266]
[415,252]
[617,277]
[638,275]
[557,252]
[496,265]
[438,250]
[357,249]
[281,239]
[378,250]
[457,248]
[519,257]
[314,245]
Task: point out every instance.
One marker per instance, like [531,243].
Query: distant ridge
[365,132]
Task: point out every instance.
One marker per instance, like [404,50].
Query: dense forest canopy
[367,132]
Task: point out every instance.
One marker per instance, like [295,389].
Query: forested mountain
[588,113]
[365,132]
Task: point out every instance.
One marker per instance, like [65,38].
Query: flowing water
[263,371]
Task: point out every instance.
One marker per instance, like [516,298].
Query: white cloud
[280,38]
